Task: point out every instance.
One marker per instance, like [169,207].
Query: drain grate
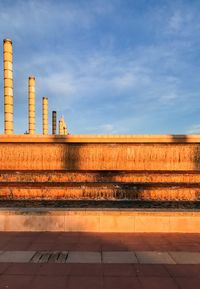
[49,257]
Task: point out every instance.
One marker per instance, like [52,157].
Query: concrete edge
[100,139]
[113,221]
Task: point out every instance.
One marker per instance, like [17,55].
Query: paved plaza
[99,260]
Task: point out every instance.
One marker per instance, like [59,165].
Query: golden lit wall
[99,156]
[100,167]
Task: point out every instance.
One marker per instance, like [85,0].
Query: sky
[108,66]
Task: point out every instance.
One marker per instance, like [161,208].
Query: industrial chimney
[45,115]
[54,122]
[61,126]
[31,105]
[8,86]
[65,128]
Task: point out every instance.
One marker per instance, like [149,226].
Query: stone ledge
[92,220]
[100,139]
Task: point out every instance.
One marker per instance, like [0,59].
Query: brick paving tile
[118,270]
[22,269]
[114,247]
[121,283]
[73,235]
[47,282]
[132,241]
[86,282]
[87,247]
[3,267]
[45,235]
[188,283]
[9,234]
[112,240]
[15,282]
[183,270]
[25,234]
[188,248]
[163,248]
[138,247]
[151,270]
[53,269]
[3,244]
[65,240]
[89,235]
[157,283]
[40,246]
[84,257]
[186,257]
[16,246]
[85,269]
[111,236]
[118,257]
[64,246]
[105,241]
[22,239]
[156,245]
[45,239]
[193,248]
[134,245]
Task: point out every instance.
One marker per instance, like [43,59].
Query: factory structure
[8,100]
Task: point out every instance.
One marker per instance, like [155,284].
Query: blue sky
[110,67]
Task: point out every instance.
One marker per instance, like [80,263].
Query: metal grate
[49,257]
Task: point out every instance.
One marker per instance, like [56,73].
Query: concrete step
[122,185]
[101,176]
[99,220]
[103,185]
[112,191]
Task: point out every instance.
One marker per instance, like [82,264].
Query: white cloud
[58,84]
[194,129]
[107,128]
[36,18]
[176,21]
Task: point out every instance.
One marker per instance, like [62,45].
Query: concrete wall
[99,221]
[166,153]
[100,167]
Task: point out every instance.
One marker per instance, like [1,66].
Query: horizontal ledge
[138,172]
[99,221]
[151,212]
[109,184]
[100,139]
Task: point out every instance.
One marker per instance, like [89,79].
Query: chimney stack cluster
[54,122]
[8,86]
[62,126]
[31,105]
[45,115]
[8,100]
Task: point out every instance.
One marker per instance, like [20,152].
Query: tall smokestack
[8,86]
[64,127]
[31,105]
[45,115]
[61,126]
[54,122]
[65,130]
